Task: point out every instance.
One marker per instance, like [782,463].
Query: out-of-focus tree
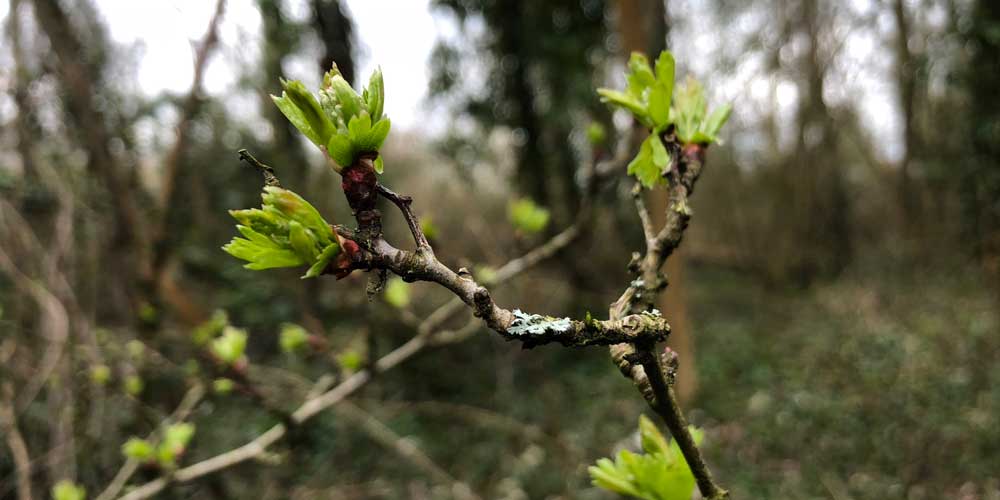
[540,61]
[980,172]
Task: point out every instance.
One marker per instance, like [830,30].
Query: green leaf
[659,474]
[296,208]
[659,104]
[292,338]
[349,100]
[100,374]
[397,293]
[527,216]
[643,167]
[639,76]
[341,149]
[358,129]
[325,257]
[178,435]
[138,449]
[713,124]
[304,111]
[665,69]
[379,165]
[223,385]
[68,490]
[175,440]
[606,475]
[166,457]
[372,142]
[626,101]
[134,385]
[261,257]
[350,361]
[302,242]
[596,134]
[652,440]
[230,346]
[660,156]
[375,95]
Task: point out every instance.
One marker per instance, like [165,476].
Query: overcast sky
[166,28]
[399,35]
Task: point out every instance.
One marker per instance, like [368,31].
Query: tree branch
[427,335]
[187,404]
[407,449]
[18,448]
[637,360]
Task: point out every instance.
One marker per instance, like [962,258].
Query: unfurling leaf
[350,361]
[138,449]
[223,385]
[648,165]
[596,134]
[659,474]
[209,329]
[304,111]
[653,99]
[134,385]
[341,122]
[286,231]
[68,490]
[100,374]
[527,216]
[652,439]
[292,337]
[230,346]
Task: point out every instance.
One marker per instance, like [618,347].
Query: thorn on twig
[269,178]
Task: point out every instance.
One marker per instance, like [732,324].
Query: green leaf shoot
[661,473]
[292,338]
[527,216]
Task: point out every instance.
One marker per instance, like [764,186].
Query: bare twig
[403,203]
[265,170]
[405,448]
[187,404]
[18,448]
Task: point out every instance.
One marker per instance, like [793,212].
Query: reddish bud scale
[349,255]
[694,153]
[360,184]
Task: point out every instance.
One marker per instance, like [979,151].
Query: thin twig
[269,178]
[637,360]
[316,403]
[405,448]
[187,404]
[18,448]
[403,203]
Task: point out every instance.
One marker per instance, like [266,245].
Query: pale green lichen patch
[536,324]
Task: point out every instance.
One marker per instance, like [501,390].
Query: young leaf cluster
[659,474]
[175,439]
[340,122]
[649,95]
[694,124]
[68,490]
[230,346]
[292,338]
[285,232]
[527,216]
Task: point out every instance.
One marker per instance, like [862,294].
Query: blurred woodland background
[835,302]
